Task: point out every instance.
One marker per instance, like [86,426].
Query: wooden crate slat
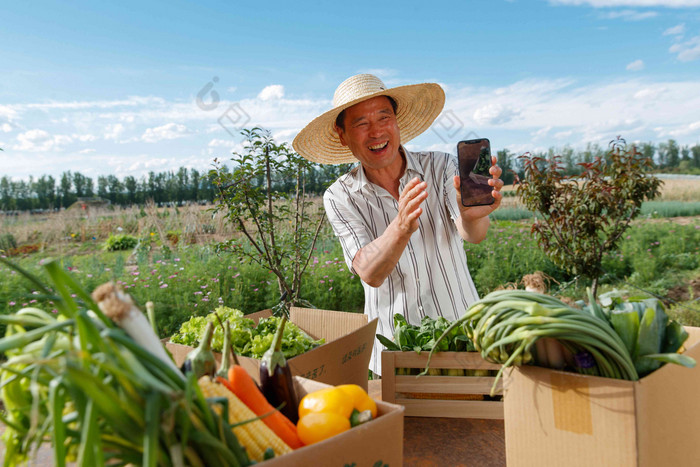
[439,396]
[452,409]
[470,360]
[389,376]
[446,384]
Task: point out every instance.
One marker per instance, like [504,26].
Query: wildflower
[164,286]
[12,303]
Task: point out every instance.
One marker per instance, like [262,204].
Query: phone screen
[474,163]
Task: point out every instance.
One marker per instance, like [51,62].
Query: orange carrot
[243,386]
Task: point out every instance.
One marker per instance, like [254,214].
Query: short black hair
[340,119]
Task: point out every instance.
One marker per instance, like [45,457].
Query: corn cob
[254,436]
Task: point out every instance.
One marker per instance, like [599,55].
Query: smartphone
[474,157]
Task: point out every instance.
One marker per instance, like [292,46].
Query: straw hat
[418,105]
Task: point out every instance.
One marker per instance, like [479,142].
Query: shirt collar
[357,180]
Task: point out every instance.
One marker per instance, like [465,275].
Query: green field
[190,277]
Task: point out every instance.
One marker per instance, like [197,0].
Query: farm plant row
[195,279]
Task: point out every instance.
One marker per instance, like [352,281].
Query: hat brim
[418,105]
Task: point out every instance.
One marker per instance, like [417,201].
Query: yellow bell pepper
[331,411]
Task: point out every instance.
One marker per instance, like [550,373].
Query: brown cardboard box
[554,418]
[440,396]
[375,443]
[344,358]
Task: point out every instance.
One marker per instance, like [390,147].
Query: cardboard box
[440,396]
[375,443]
[344,358]
[557,418]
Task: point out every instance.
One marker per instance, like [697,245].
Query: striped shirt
[431,277]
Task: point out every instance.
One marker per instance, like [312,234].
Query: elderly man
[398,214]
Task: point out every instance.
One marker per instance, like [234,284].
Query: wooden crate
[441,396]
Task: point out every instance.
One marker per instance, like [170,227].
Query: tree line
[666,157]
[192,186]
[183,186]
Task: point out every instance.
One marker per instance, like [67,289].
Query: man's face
[371,133]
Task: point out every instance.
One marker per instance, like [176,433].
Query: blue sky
[112,87]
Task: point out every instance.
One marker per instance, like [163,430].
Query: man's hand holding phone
[478,188]
[479,211]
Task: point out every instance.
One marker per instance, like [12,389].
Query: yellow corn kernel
[255,436]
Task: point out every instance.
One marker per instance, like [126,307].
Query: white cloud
[167,131]
[649,93]
[274,91]
[40,141]
[113,131]
[629,3]
[687,51]
[691,129]
[6,128]
[87,151]
[221,143]
[630,15]
[677,30]
[381,73]
[591,113]
[563,135]
[286,135]
[145,164]
[494,114]
[542,132]
[8,112]
[84,137]
[636,65]
[132,101]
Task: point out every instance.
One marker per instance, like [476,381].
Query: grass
[188,280]
[665,209]
[650,209]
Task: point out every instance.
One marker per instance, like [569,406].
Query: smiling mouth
[378,147]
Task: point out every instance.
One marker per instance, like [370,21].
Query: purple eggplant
[276,380]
